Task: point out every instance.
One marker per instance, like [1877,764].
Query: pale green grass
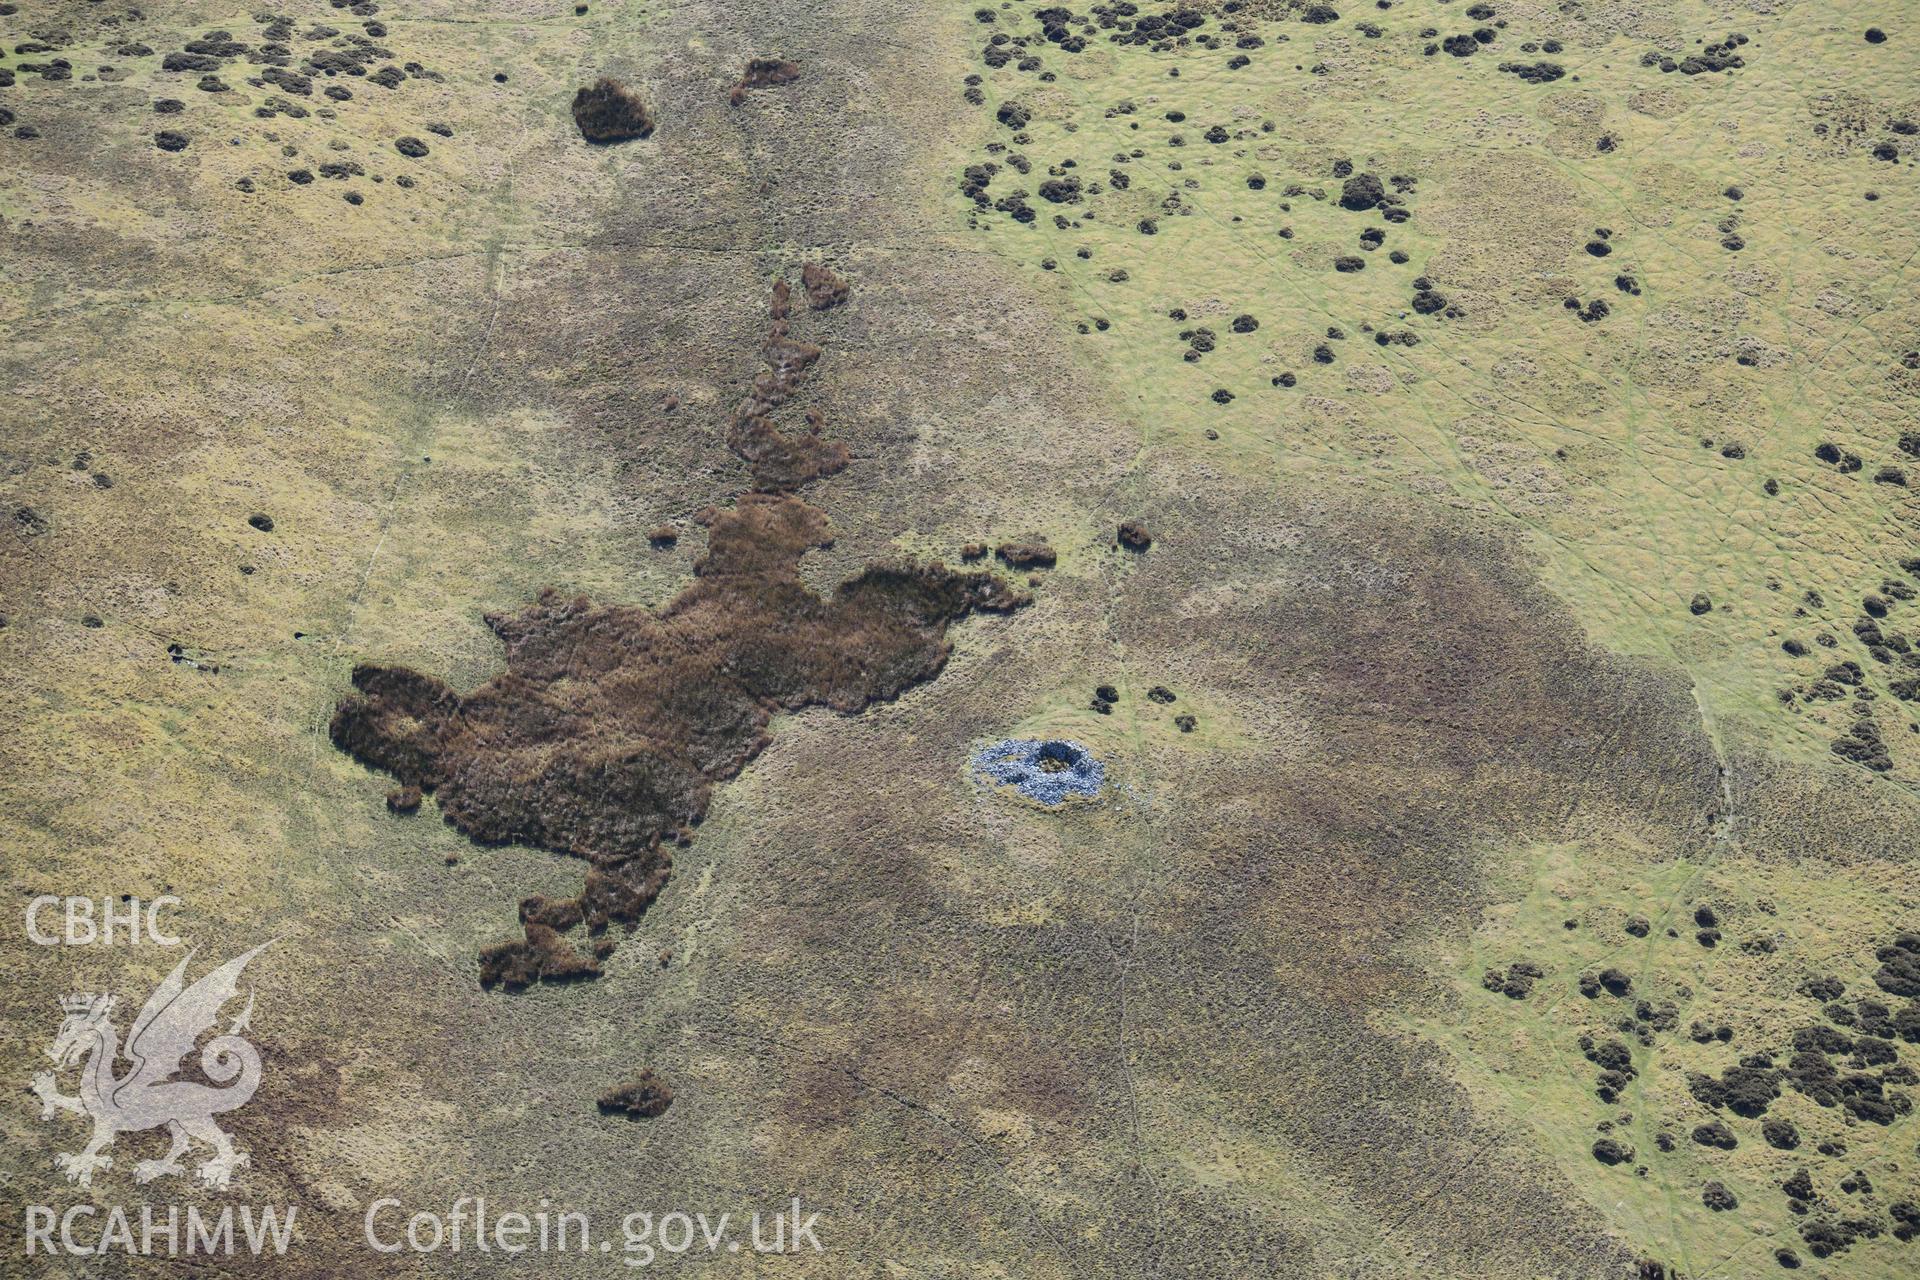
[1585,439]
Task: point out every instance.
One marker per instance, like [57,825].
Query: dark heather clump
[782,461]
[642,1098]
[823,287]
[1744,1090]
[1535,72]
[764,73]
[1715,1134]
[1899,972]
[1612,1151]
[1362,191]
[605,734]
[610,112]
[1027,555]
[1823,989]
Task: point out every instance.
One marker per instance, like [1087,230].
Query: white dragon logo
[146,1097]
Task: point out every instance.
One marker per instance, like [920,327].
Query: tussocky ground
[1451,707]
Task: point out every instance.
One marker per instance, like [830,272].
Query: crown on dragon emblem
[148,1095]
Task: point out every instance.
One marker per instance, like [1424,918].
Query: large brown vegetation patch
[611,723]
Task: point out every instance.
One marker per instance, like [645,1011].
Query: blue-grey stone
[1050,770]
